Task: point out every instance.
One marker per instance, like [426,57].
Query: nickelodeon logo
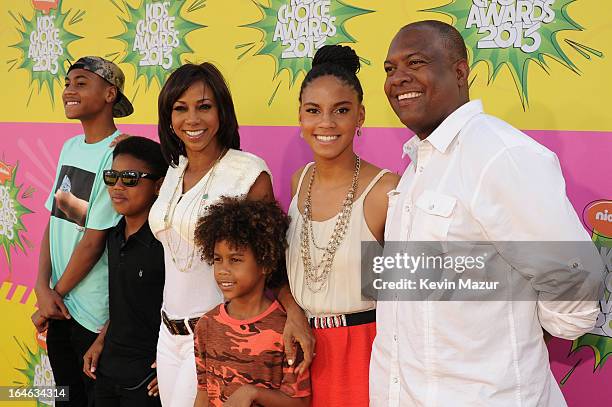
[6,172]
[598,217]
[605,216]
[45,5]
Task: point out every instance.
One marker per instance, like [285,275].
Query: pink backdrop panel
[583,385]
[584,157]
[35,146]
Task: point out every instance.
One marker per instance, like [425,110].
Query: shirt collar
[144,234]
[446,132]
[410,148]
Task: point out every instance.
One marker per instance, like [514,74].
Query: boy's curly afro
[260,225]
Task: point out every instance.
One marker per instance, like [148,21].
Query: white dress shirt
[476,178]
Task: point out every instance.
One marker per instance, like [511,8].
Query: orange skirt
[340,370]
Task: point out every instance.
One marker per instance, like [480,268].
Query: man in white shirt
[472,178]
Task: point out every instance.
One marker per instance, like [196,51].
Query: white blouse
[341,294]
[190,289]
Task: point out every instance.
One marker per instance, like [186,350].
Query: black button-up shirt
[136,284]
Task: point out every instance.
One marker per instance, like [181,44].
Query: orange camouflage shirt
[230,353]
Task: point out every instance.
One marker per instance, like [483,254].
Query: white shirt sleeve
[521,198]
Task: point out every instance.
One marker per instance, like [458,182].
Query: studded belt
[337,321]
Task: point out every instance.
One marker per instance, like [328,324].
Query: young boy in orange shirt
[240,358]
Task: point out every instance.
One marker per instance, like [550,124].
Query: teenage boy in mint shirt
[72,285]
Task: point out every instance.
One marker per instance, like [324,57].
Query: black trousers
[67,343]
[110,394]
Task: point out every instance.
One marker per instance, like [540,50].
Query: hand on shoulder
[262,188]
[388,182]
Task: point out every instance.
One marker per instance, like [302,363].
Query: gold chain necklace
[316,276]
[174,248]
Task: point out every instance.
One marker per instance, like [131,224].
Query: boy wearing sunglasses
[72,284]
[121,359]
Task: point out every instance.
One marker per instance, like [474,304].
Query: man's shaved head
[427,75]
[451,38]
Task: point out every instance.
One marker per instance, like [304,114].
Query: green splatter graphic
[493,43]
[37,371]
[44,60]
[600,344]
[11,212]
[147,62]
[268,25]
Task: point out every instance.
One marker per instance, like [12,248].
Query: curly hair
[259,225]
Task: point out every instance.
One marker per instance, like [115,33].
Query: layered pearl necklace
[175,247]
[316,276]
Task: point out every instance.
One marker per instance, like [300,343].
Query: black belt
[337,321]
[177,326]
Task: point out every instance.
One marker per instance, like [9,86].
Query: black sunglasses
[129,178]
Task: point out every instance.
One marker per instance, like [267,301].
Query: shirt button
[395,380]
[421,169]
[395,338]
[431,206]
[122,254]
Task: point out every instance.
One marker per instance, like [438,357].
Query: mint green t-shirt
[78,201]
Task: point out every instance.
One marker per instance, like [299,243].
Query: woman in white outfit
[199,136]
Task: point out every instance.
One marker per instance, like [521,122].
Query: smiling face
[132,201]
[330,113]
[237,272]
[86,95]
[195,119]
[424,83]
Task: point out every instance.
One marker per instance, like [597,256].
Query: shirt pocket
[434,216]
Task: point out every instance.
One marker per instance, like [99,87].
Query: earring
[172,129]
[301,135]
[358,131]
